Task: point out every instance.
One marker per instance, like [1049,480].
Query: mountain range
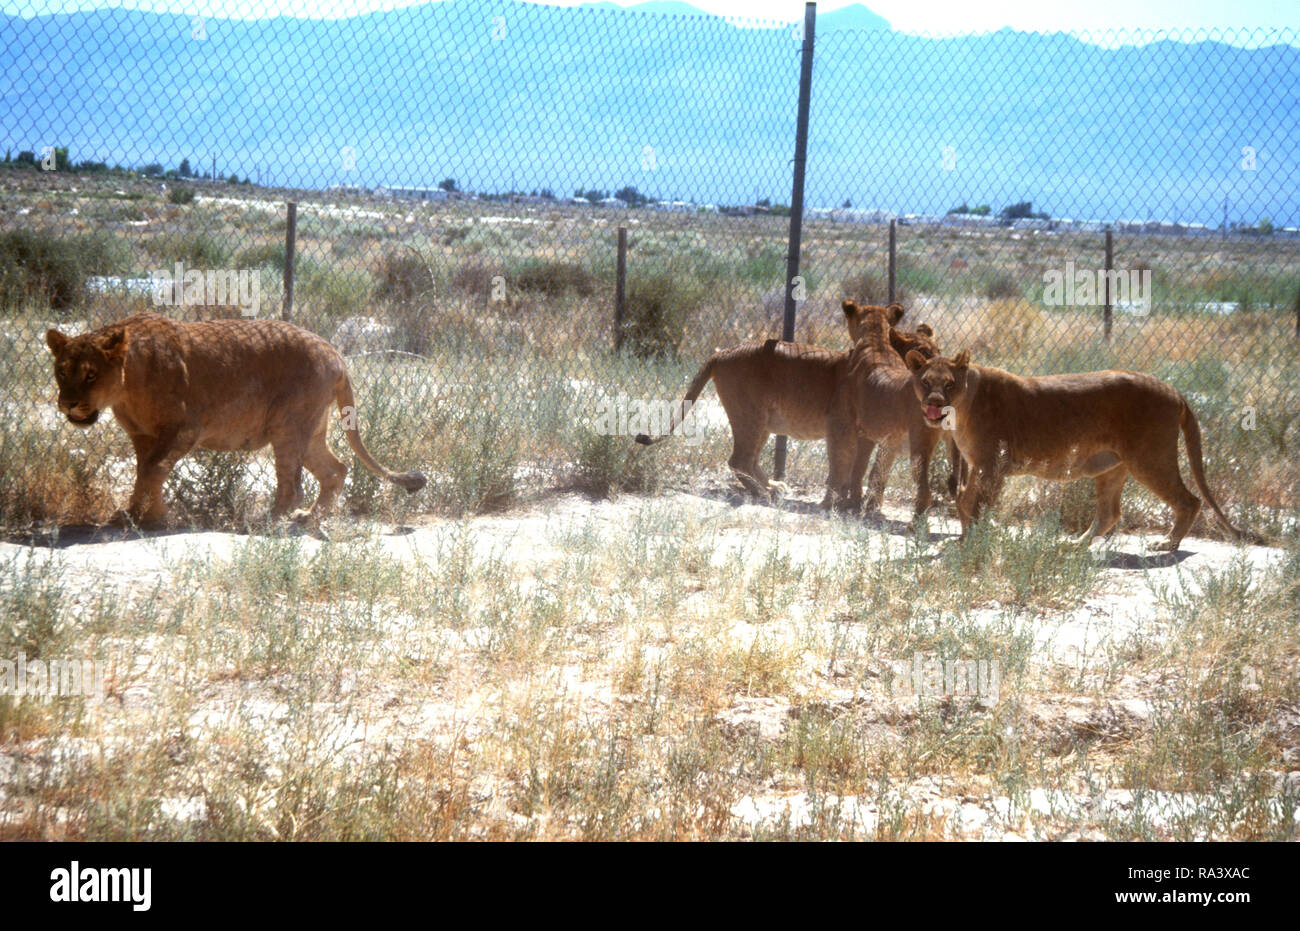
[506,95]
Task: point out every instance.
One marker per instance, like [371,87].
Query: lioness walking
[217,384]
[1102,425]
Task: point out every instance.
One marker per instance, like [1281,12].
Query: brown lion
[218,384]
[788,388]
[875,407]
[1101,425]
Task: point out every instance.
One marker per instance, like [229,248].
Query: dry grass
[650,669]
[516,662]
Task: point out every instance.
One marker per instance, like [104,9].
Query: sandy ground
[533,541]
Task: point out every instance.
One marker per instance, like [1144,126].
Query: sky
[934,17]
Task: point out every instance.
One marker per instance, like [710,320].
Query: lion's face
[939,383]
[88,370]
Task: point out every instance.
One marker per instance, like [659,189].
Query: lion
[875,407]
[1101,425]
[218,384]
[787,388]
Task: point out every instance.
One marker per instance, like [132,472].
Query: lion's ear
[962,360]
[850,308]
[114,344]
[924,330]
[915,361]
[55,340]
[896,312]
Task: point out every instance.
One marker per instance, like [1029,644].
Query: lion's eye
[90,378]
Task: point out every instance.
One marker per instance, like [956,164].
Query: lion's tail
[1192,435]
[412,481]
[692,392]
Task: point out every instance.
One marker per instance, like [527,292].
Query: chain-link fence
[461,172]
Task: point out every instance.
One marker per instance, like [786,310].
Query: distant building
[415,193]
[969,220]
[674,206]
[850,215]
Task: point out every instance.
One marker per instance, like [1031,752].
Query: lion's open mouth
[83,420]
[933,413]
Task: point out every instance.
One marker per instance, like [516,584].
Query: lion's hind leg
[748,443]
[329,471]
[1110,488]
[288,478]
[1162,477]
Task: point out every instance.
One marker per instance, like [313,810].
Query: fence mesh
[461,171]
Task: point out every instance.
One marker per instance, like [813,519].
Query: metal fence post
[793,286]
[290,237]
[892,261]
[1297,313]
[620,288]
[1110,263]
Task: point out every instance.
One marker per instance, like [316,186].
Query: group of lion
[244,384]
[894,386]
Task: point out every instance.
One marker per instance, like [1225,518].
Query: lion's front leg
[842,448]
[921,447]
[879,478]
[155,457]
[980,492]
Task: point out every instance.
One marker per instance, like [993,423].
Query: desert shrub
[412,329]
[480,237]
[659,302]
[404,276]
[607,465]
[554,278]
[197,250]
[44,481]
[212,486]
[688,251]
[762,264]
[270,254]
[916,277]
[867,287]
[474,276]
[1009,326]
[180,195]
[35,263]
[1001,287]
[477,468]
[333,293]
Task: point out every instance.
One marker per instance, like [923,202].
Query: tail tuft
[643,439]
[412,481]
[1253,538]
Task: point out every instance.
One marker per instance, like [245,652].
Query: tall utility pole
[793,284]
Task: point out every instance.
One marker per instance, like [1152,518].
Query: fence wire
[461,170]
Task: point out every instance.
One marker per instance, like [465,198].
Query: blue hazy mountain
[509,95]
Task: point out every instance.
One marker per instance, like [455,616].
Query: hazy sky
[930,16]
